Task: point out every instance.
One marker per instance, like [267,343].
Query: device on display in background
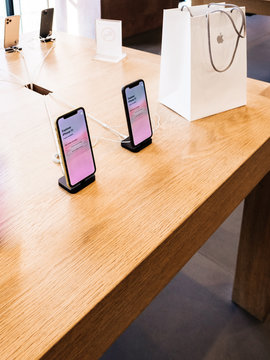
[75,147]
[137,112]
[46,23]
[12,31]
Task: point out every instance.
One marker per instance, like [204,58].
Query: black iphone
[46,23]
[137,112]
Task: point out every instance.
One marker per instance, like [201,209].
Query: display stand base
[47,39]
[127,145]
[73,190]
[112,59]
[13,49]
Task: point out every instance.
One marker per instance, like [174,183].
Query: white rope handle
[240,33]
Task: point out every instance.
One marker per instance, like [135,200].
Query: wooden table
[76,270]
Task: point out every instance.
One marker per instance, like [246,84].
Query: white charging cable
[104,125]
[156,127]
[122,136]
[12,82]
[116,132]
[56,156]
[19,80]
[31,83]
[157,123]
[43,61]
[27,70]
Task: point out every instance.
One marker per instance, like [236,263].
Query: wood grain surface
[77,269]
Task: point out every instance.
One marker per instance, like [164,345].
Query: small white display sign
[109,40]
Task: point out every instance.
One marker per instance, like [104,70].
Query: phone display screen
[138,112]
[76,146]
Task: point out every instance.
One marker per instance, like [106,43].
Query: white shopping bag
[190,84]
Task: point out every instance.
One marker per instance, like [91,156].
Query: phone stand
[47,39]
[13,49]
[74,189]
[127,145]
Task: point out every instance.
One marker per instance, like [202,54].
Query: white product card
[109,40]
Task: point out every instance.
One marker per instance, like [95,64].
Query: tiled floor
[193,318]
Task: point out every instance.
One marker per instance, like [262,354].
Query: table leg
[252,279]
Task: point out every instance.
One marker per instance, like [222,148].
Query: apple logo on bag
[220,39]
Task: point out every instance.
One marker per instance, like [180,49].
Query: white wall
[77,16]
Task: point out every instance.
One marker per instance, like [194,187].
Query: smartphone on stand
[46,23]
[12,31]
[138,116]
[75,149]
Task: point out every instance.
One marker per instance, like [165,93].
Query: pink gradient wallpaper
[76,146]
[138,113]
